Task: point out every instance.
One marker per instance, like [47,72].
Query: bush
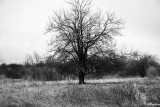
[152,72]
[2,77]
[137,66]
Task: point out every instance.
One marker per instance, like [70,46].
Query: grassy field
[111,92]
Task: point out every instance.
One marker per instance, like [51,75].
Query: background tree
[33,64]
[145,62]
[1,60]
[80,34]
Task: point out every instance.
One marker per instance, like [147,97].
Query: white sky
[23,22]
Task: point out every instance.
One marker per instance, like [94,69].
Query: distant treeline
[124,65]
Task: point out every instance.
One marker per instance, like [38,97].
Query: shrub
[2,77]
[152,72]
[137,66]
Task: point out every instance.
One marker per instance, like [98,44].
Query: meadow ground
[110,92]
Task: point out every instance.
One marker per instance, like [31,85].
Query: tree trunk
[81,77]
[82,62]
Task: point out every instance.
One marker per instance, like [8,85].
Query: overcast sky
[23,22]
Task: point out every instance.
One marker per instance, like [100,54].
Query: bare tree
[32,60]
[80,34]
[1,60]
[29,60]
[37,58]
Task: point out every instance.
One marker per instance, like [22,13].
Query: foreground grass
[110,92]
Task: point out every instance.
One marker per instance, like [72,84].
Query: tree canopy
[81,34]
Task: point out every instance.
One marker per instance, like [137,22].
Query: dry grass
[28,94]
[112,93]
[124,95]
